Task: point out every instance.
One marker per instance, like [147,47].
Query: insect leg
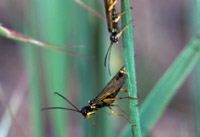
[121,14]
[120,33]
[123,90]
[108,99]
[92,121]
[90,113]
[120,108]
[112,5]
[138,98]
[88,116]
[113,112]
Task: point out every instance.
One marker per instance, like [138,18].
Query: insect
[104,99]
[112,20]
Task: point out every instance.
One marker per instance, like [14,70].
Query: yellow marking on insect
[113,112]
[93,106]
[123,90]
[120,108]
[109,99]
[112,5]
[122,71]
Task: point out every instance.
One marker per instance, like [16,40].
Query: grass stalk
[168,85]
[194,20]
[129,61]
[195,98]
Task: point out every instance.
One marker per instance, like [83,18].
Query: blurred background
[29,75]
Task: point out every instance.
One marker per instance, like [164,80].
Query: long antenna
[48,108]
[109,61]
[107,57]
[67,101]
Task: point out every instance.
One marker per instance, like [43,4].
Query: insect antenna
[107,58]
[48,108]
[67,101]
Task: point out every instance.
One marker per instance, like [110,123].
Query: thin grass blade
[129,61]
[4,101]
[22,38]
[162,93]
[55,18]
[194,20]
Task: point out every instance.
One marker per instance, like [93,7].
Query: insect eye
[84,111]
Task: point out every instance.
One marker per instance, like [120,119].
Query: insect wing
[112,87]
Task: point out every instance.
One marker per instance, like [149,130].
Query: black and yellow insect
[104,99]
[112,20]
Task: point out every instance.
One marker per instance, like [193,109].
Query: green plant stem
[165,89]
[130,66]
[195,98]
[194,20]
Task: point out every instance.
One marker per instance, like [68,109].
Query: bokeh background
[29,75]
